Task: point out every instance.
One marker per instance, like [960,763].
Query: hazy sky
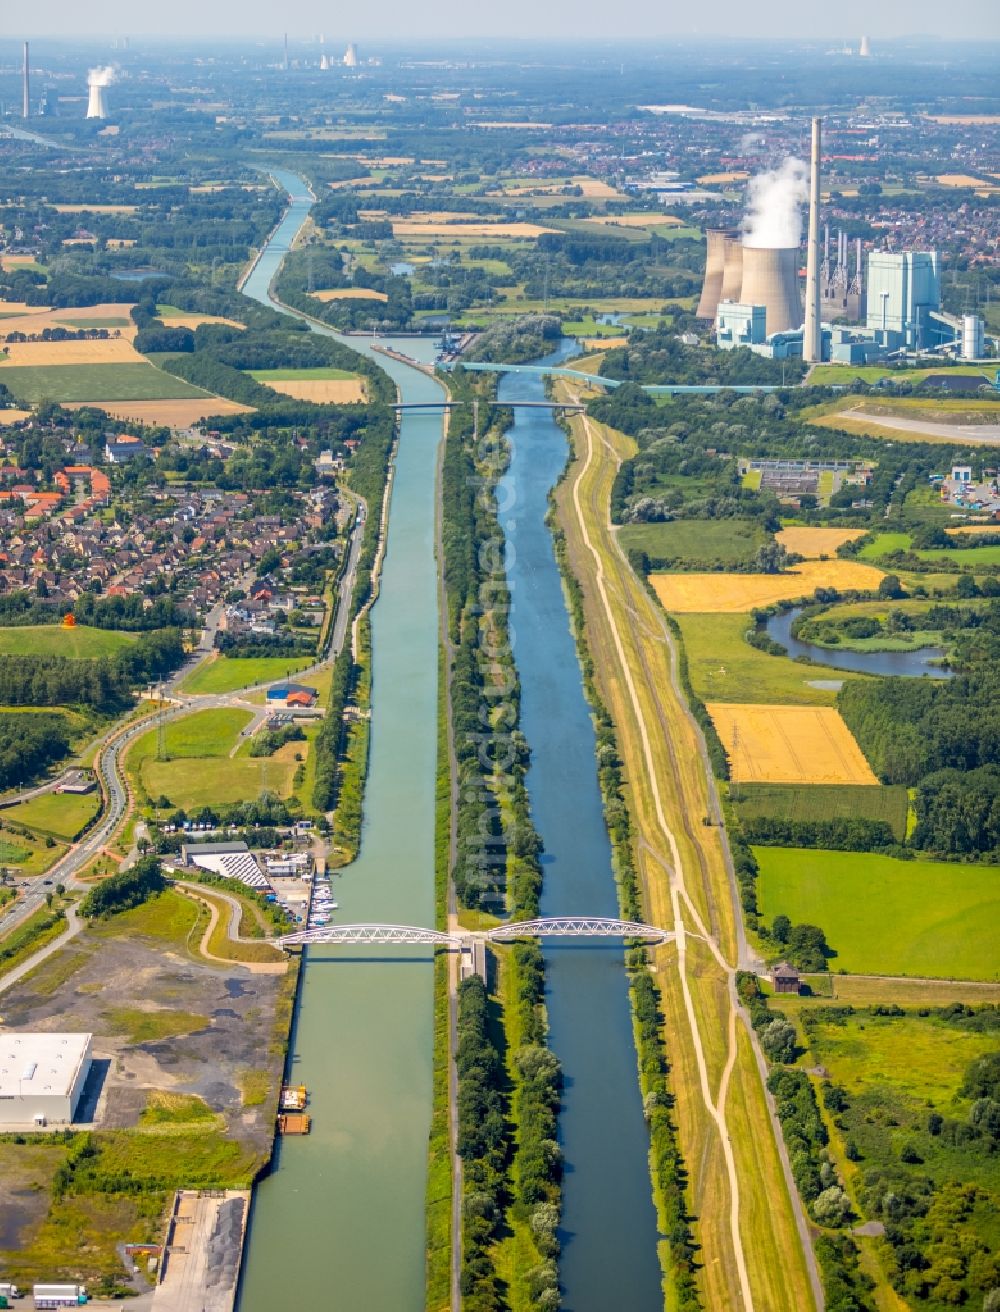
[403,19]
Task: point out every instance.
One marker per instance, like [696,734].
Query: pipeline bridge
[596,380]
[507,405]
[582,927]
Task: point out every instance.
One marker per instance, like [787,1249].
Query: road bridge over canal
[580,927]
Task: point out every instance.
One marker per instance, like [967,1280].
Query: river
[609,1223]
[340,1222]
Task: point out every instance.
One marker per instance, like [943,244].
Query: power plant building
[740,325]
[904,292]
[42,1076]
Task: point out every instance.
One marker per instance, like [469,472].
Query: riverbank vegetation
[509,1092]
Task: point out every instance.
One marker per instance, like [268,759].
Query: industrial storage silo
[715,262]
[771,279]
[732,272]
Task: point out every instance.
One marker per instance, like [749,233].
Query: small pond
[910,663]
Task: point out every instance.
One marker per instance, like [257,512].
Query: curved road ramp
[202,1252]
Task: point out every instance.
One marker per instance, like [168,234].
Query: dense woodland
[105,683]
[29,744]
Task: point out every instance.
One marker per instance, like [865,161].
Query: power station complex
[752,294]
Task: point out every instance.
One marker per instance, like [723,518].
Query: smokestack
[324,62]
[286,52]
[26,111]
[771,279]
[715,263]
[859,275]
[812,341]
[732,272]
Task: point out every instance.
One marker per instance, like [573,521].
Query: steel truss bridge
[550,927]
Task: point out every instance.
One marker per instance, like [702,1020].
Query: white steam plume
[101,77]
[774,206]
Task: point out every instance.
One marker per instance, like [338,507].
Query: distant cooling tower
[732,271]
[715,264]
[865,49]
[98,81]
[771,279]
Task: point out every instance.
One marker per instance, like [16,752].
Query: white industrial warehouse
[42,1076]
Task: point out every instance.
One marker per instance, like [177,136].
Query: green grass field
[198,770]
[884,544]
[825,374]
[883,916]
[61,814]
[95,382]
[822,802]
[292,375]
[54,640]
[227,673]
[725,668]
[727,541]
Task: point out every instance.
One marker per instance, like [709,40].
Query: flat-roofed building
[42,1076]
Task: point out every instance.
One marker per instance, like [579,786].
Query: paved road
[965,434]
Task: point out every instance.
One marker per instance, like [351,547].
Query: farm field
[78,642]
[107,350]
[720,593]
[172,414]
[408,228]
[919,917]
[96,383]
[228,673]
[61,814]
[789,745]
[729,541]
[13,416]
[815,542]
[971,557]
[349,294]
[723,667]
[108,314]
[174,318]
[329,386]
[901,428]
[887,802]
[823,375]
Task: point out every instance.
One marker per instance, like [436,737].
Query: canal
[609,1223]
[340,1222]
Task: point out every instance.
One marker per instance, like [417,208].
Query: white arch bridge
[549,927]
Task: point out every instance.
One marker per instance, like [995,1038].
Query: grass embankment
[32,935]
[77,643]
[943,917]
[59,815]
[622,625]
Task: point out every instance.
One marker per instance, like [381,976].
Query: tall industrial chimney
[812,341]
[286,52]
[732,273]
[771,279]
[26,110]
[715,263]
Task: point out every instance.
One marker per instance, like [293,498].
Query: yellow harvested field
[110,350]
[169,414]
[21,308]
[120,243]
[96,209]
[12,261]
[737,176]
[406,228]
[193,321]
[13,416]
[324,391]
[38,317]
[962,180]
[349,294]
[974,528]
[734,593]
[815,542]
[964,118]
[436,216]
[789,745]
[602,344]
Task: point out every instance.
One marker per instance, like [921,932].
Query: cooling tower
[771,279]
[715,263]
[732,271]
[96,104]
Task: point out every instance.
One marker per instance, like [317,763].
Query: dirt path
[211,901]
[714,1106]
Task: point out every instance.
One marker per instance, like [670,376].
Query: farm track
[755,1252]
